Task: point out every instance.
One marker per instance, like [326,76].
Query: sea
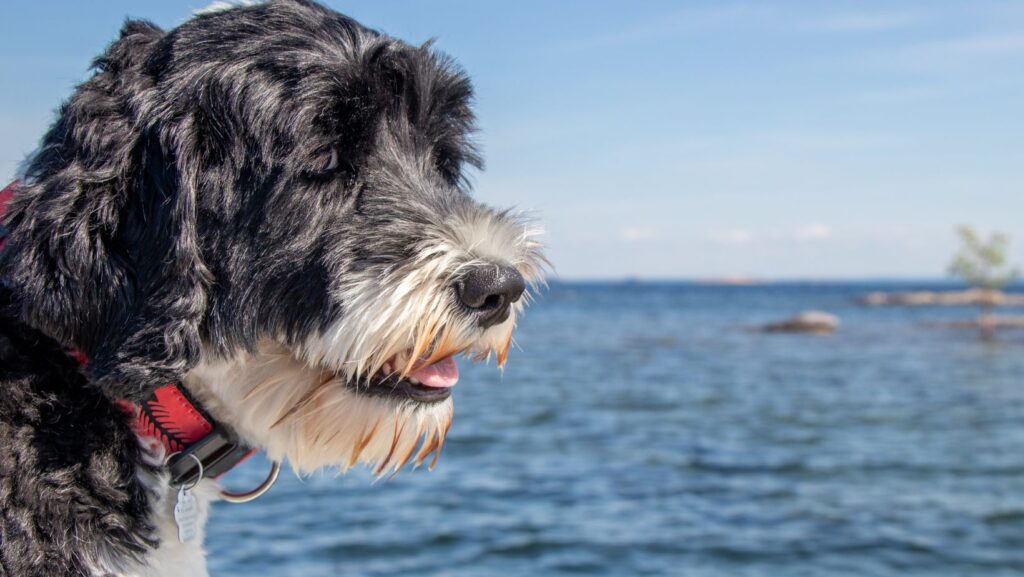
[649,429]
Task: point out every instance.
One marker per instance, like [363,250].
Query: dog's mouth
[429,383]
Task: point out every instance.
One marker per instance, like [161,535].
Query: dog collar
[196,445]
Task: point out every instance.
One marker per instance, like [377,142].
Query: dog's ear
[438,98]
[102,252]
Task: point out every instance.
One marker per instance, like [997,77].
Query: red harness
[170,416]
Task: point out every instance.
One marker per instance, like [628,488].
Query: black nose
[489,291]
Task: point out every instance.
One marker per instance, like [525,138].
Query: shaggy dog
[268,206]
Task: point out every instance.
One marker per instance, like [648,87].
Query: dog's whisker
[428,335]
[503,352]
[258,389]
[308,398]
[297,418]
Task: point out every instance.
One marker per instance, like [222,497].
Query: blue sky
[683,139]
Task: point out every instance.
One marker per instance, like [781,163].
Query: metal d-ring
[275,469]
[199,477]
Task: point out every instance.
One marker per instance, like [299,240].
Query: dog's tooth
[413,380]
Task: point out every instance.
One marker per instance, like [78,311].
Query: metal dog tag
[186,513]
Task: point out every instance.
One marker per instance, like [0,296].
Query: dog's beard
[325,402]
[314,418]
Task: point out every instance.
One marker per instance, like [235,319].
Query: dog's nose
[489,291]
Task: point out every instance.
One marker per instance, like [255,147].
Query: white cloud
[638,234]
[222,5]
[814,231]
[733,236]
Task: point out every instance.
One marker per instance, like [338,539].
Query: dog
[251,232]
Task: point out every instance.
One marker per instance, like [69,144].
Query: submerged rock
[815,322]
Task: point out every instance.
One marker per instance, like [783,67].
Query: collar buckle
[216,453]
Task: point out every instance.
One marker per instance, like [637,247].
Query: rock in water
[815,322]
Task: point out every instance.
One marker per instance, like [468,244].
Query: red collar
[5,197]
[171,417]
[187,433]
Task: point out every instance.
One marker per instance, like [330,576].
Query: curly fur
[69,468]
[269,204]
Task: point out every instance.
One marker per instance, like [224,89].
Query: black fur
[68,483]
[182,204]
[181,197]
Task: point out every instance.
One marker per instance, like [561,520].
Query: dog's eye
[327,165]
[324,165]
[332,162]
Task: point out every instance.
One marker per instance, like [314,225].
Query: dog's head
[270,204]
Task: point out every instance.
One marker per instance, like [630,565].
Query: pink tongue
[441,375]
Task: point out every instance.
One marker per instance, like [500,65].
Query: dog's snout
[489,291]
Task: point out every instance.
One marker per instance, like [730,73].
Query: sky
[669,139]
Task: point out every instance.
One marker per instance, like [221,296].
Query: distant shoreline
[969,297]
[754,282]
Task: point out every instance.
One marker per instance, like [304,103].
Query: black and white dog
[265,208]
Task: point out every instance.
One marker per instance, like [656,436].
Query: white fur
[174,558]
[171,558]
[311,418]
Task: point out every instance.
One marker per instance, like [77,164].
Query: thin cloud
[831,141]
[734,15]
[906,94]
[679,23]
[865,22]
[815,231]
[222,5]
[733,236]
[635,234]
[979,45]
[964,49]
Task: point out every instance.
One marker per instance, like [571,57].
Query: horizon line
[756,280]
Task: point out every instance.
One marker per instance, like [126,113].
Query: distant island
[733,281]
[968,297]
[984,266]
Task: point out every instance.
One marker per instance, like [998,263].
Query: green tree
[983,264]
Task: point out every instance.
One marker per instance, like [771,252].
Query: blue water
[644,430]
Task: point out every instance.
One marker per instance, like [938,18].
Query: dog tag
[185,515]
